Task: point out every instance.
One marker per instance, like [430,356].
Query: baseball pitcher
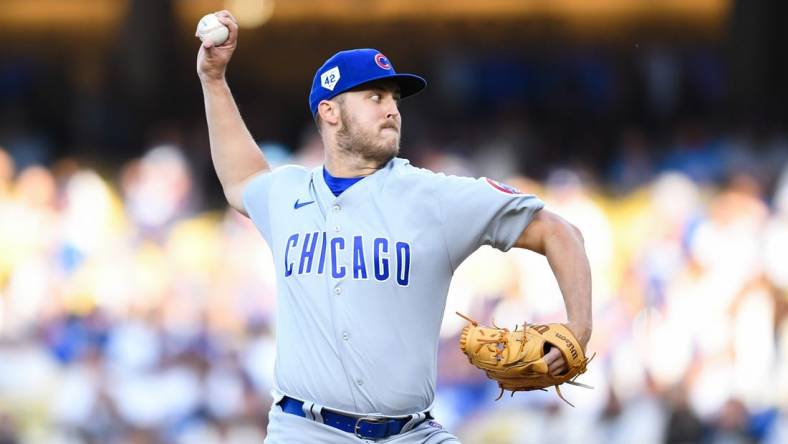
[365,247]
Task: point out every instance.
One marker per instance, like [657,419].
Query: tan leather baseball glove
[515,359]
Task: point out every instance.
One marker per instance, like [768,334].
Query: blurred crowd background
[136,308]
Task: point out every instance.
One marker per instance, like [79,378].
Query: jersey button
[338,290]
[359,382]
[337,228]
[337,208]
[345,336]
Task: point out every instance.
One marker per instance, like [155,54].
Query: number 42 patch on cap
[502,187]
[330,78]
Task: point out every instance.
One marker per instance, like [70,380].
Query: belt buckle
[368,419]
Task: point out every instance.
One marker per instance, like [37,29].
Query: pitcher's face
[370,121]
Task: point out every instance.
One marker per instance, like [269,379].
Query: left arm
[562,244]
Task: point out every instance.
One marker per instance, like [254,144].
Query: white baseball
[211,28]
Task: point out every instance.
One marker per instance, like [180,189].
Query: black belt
[366,427]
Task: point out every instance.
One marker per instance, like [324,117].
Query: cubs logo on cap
[348,69]
[382,61]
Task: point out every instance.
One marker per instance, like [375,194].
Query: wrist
[212,79]
[581,330]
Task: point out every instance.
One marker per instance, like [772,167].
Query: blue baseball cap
[348,69]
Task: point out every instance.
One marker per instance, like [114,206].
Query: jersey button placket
[333,222]
[336,209]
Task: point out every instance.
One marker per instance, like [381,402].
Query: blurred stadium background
[135,308]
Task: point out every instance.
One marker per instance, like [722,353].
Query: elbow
[562,228]
[564,235]
[577,233]
[549,232]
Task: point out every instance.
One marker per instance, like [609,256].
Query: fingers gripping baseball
[212,59]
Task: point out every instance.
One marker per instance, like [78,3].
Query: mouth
[390,127]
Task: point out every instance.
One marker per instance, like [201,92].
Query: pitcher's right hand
[212,60]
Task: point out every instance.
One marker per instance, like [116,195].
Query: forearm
[235,154]
[565,253]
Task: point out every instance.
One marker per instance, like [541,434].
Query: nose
[392,110]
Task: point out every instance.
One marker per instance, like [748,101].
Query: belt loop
[317,412]
[313,411]
[308,408]
[277,395]
[415,419]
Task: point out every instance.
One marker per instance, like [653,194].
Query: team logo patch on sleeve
[502,187]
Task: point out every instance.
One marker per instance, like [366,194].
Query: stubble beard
[355,142]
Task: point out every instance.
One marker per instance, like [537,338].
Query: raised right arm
[236,157]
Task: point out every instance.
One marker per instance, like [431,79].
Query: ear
[328,111]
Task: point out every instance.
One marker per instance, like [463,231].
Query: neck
[342,164]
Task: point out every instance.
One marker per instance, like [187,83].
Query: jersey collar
[324,193]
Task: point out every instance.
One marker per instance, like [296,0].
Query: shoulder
[409,179]
[258,187]
[461,190]
[402,168]
[284,172]
[436,181]
[291,171]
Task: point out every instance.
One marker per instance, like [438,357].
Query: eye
[375,97]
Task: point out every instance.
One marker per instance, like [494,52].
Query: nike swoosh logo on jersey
[298,205]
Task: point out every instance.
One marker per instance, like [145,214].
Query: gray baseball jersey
[363,277]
